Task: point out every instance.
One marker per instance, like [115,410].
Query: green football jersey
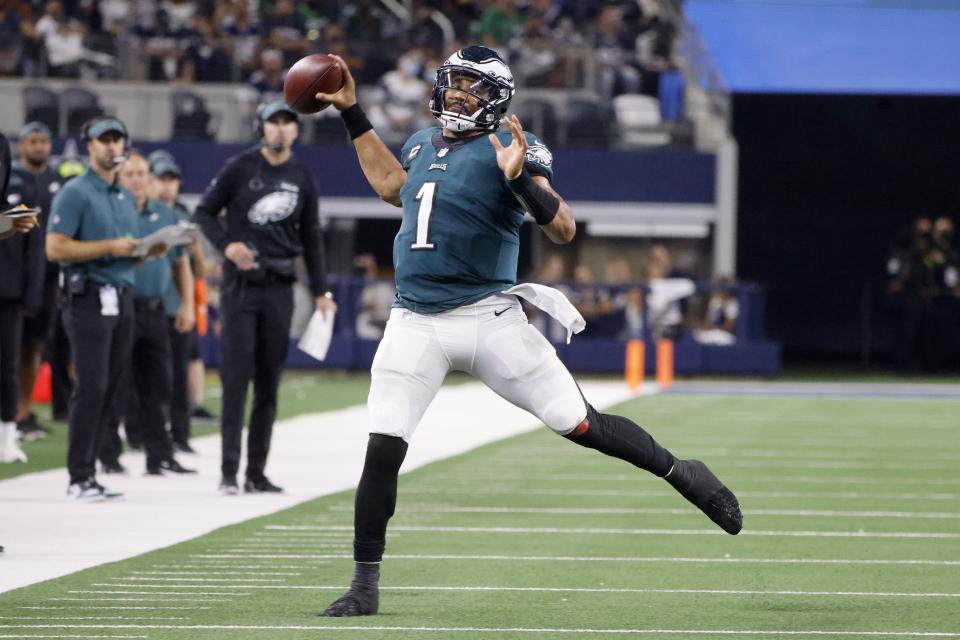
[460,236]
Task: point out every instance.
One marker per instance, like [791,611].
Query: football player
[464,188]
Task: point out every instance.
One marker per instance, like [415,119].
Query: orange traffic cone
[42,391]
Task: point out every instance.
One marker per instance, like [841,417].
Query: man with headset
[92,234]
[271,217]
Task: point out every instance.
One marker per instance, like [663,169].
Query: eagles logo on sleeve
[538,152]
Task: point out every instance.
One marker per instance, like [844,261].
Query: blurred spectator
[911,288]
[614,49]
[430,30]
[232,19]
[498,23]
[266,83]
[286,30]
[376,299]
[667,288]
[945,260]
[719,323]
[654,47]
[532,54]
[206,58]
[335,41]
[402,107]
[160,43]
[63,41]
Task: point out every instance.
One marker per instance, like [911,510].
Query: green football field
[852,530]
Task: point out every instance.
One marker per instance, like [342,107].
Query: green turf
[847,477]
[300,392]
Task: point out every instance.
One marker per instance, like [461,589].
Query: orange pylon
[633,368]
[664,363]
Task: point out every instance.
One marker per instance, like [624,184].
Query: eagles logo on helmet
[490,82]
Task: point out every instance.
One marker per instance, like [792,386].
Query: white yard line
[667,559]
[493,630]
[653,532]
[736,592]
[311,456]
[803,513]
[656,493]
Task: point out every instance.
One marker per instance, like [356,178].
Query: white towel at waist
[552,302]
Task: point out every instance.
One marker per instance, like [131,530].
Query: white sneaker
[90,491]
[10,451]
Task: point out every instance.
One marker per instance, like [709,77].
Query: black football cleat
[355,602]
[696,483]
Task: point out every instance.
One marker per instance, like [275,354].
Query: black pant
[150,374]
[180,397]
[253,344]
[58,355]
[99,345]
[110,444]
[11,329]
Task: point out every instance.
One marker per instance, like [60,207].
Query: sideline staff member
[92,234]
[271,218]
[34,146]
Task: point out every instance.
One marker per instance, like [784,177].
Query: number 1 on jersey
[426,197]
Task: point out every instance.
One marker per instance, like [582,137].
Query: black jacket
[273,209]
[22,259]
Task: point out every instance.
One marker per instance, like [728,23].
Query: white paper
[171,235]
[315,340]
[20,212]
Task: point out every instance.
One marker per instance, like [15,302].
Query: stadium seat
[191,119]
[670,94]
[80,105]
[43,105]
[638,120]
[539,117]
[587,124]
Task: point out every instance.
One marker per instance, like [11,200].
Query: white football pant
[491,340]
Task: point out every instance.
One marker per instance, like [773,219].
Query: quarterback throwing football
[464,188]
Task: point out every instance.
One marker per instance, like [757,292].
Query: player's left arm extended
[563,227]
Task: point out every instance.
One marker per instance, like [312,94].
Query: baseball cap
[272,108]
[163,166]
[105,125]
[34,126]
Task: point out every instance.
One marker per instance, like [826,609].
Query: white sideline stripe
[819,455]
[737,592]
[672,532]
[679,512]
[854,495]
[319,456]
[180,579]
[707,632]
[211,573]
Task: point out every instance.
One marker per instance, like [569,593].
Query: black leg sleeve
[376,496]
[619,437]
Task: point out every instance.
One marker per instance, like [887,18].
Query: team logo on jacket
[273,207]
[538,152]
[413,152]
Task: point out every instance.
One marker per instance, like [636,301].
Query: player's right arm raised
[381,168]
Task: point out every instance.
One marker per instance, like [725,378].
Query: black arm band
[356,121]
[539,203]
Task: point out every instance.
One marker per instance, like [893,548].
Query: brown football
[317,73]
